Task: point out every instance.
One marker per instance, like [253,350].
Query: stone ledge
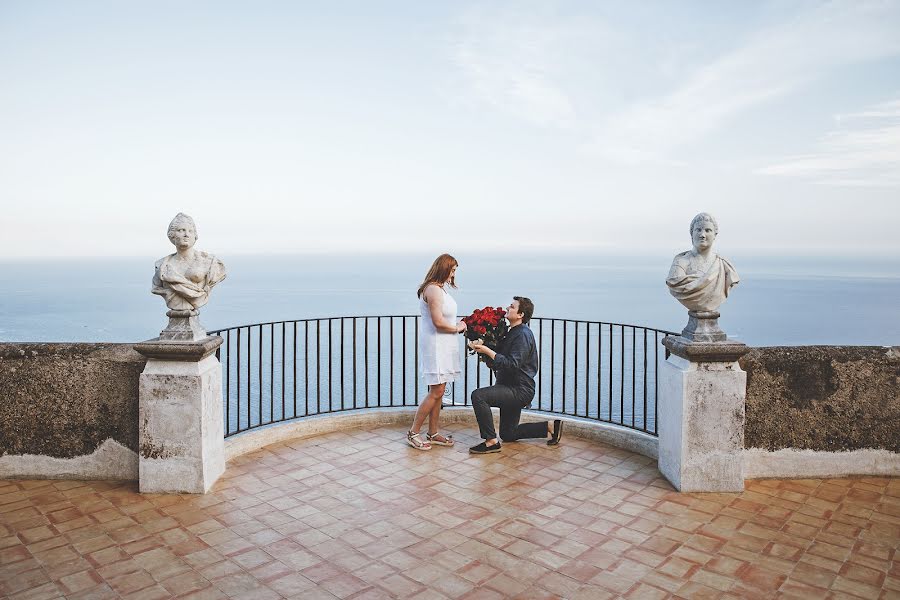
[243,443]
[108,351]
[729,351]
[180,351]
[791,463]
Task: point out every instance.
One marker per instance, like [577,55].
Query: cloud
[863,151]
[514,61]
[771,63]
[562,71]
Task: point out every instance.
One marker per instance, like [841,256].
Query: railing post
[244,409]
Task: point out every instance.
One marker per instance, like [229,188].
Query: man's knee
[478,396]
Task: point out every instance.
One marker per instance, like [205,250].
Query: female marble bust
[186,277]
[699,278]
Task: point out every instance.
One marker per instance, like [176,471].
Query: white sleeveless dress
[438,351]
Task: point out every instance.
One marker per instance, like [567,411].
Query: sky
[348,127]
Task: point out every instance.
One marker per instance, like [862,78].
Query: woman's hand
[461,327]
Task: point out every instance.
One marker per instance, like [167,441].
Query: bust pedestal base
[184,326]
[182,430]
[703,326]
[702,390]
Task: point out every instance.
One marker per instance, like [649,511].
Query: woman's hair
[700,219]
[439,272]
[526,308]
[180,218]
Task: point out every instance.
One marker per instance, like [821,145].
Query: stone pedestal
[703,326]
[184,326]
[181,432]
[701,415]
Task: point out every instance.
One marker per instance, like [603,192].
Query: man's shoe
[557,433]
[483,448]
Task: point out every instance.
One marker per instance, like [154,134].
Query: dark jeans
[504,398]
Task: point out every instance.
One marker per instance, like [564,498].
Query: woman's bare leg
[435,393]
[434,417]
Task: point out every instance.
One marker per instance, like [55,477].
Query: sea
[779,301]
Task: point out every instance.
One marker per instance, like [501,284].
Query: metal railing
[285,370]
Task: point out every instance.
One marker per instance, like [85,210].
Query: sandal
[416,442]
[439,439]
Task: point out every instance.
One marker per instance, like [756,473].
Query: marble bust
[699,278]
[186,277]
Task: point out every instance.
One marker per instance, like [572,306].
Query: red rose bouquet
[487,326]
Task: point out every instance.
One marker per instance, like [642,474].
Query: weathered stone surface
[727,351]
[184,326]
[830,398]
[701,425]
[703,326]
[111,461]
[65,400]
[181,426]
[789,463]
[178,350]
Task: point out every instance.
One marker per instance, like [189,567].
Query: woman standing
[438,349]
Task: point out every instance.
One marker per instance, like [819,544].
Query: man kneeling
[515,364]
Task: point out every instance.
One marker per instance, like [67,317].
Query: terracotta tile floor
[358,514]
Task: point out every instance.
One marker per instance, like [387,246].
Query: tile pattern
[359,515]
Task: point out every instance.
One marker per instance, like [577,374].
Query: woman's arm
[434,298]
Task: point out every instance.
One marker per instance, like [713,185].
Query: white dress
[438,351]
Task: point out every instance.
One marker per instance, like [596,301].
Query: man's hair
[526,307]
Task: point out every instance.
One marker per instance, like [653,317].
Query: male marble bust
[699,278]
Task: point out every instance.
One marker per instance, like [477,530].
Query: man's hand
[479,347]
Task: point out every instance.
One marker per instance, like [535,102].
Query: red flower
[488,324]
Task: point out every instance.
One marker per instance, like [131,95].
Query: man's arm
[518,351]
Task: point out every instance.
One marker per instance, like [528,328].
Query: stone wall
[830,398]
[69,410]
[819,411]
